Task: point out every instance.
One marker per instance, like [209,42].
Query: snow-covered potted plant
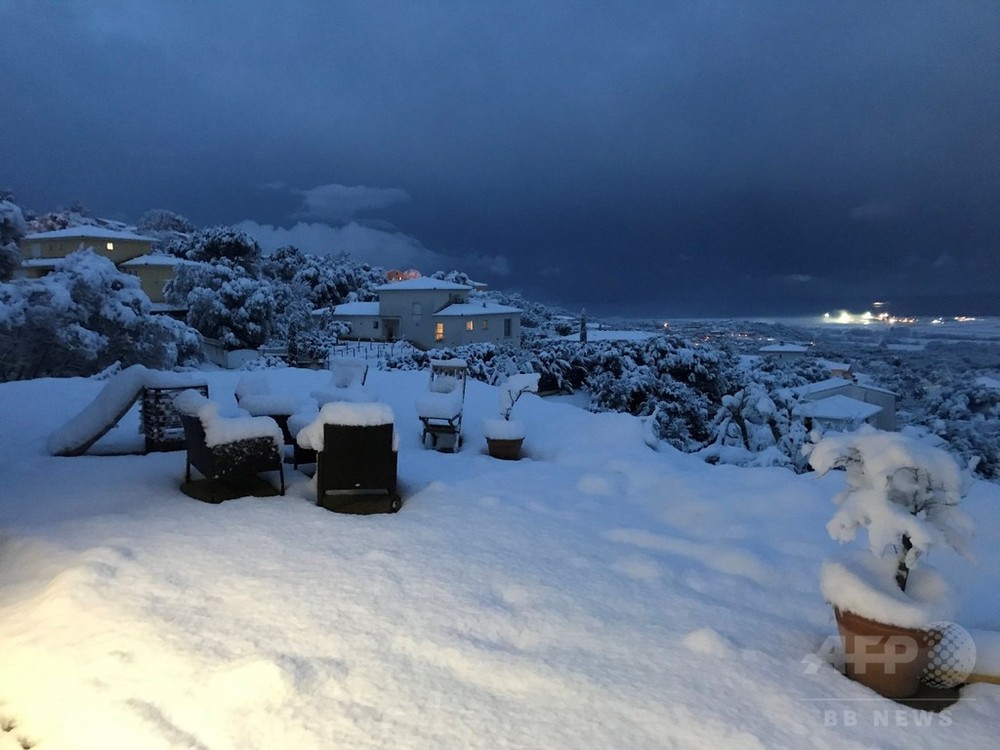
[905,494]
[505,435]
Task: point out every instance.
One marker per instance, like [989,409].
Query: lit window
[111,246]
[439,331]
[468,325]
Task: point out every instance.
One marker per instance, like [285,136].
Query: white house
[840,413]
[883,419]
[430,313]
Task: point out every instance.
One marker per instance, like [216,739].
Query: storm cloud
[711,158]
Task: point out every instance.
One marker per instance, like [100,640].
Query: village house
[430,313]
[871,404]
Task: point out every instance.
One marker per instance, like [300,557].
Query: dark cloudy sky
[657,158]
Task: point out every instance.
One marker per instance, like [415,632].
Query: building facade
[430,313]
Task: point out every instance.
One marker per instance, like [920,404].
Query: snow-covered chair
[254,394]
[223,447]
[440,408]
[347,382]
[356,457]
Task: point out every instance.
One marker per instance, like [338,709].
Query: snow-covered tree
[12,229]
[221,245]
[81,318]
[224,303]
[162,220]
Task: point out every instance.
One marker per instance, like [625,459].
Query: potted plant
[905,494]
[505,435]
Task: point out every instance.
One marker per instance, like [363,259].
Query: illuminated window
[111,246]
[439,331]
[469,325]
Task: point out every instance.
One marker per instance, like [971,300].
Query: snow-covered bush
[666,376]
[904,493]
[486,362]
[83,317]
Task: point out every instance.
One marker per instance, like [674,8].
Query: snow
[88,231]
[837,408]
[121,390]
[437,405]
[595,594]
[864,584]
[357,308]
[472,309]
[155,259]
[503,429]
[221,428]
[343,413]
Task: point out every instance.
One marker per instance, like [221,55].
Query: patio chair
[225,448]
[253,393]
[440,408]
[356,458]
[347,382]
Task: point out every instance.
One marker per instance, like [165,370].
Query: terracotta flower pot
[887,658]
[508,450]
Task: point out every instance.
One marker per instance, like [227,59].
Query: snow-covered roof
[831,384]
[789,348]
[424,282]
[87,231]
[41,262]
[823,385]
[356,308]
[471,309]
[155,259]
[843,366]
[839,408]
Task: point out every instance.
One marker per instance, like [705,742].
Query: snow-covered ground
[597,594]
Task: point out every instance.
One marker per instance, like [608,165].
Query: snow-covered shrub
[83,317]
[487,362]
[903,492]
[664,375]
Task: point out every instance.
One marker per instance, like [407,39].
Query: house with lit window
[430,313]
[132,253]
